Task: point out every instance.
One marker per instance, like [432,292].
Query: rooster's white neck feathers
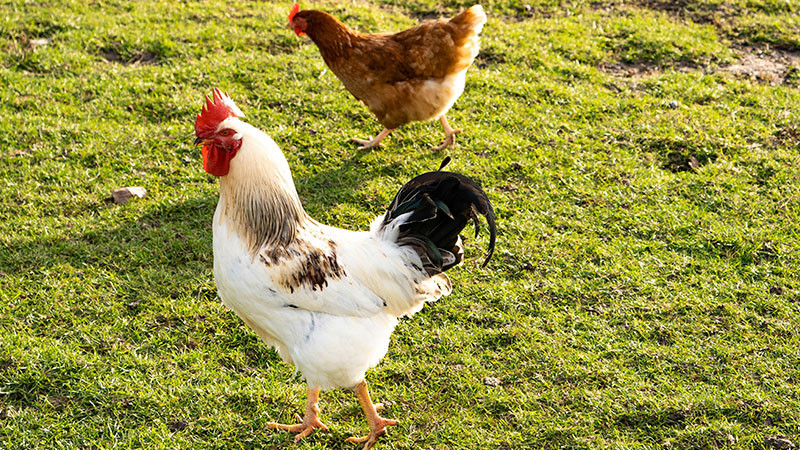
[258,196]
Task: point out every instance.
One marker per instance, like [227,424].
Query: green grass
[645,291]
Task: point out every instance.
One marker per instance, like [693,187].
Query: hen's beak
[198,141]
[289,26]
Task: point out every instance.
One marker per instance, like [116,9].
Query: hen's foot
[371,143]
[302,429]
[365,143]
[449,141]
[449,135]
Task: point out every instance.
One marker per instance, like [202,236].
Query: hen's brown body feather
[408,76]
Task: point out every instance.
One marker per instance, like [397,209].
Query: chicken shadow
[120,280]
[173,238]
[177,235]
[344,184]
[168,236]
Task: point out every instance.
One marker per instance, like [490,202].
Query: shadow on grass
[132,299]
[175,235]
[169,236]
[345,184]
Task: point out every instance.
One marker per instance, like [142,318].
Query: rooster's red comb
[295,9]
[216,109]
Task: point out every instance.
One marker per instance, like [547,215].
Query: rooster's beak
[289,26]
[198,141]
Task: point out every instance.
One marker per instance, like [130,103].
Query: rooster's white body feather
[333,331]
[327,299]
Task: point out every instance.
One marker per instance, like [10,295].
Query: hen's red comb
[295,9]
[214,112]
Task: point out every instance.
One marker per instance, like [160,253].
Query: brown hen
[413,75]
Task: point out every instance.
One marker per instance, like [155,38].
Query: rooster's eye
[226,132]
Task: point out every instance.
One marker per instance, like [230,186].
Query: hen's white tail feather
[473,18]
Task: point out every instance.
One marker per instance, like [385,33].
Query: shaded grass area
[644,293]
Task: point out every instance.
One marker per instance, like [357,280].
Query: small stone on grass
[38,42]
[492,381]
[122,195]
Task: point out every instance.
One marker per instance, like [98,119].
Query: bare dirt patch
[761,64]
[629,70]
[635,71]
[113,54]
[716,14]
[670,6]
[766,65]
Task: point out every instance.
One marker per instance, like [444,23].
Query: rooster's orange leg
[377,424]
[449,135]
[310,420]
[369,143]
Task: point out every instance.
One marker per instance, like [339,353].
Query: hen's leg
[377,424]
[369,143]
[310,420]
[449,135]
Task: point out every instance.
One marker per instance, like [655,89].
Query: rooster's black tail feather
[441,204]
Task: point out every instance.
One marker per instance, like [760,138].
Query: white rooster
[326,298]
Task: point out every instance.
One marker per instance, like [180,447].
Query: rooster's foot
[377,424]
[302,429]
[377,428]
[310,420]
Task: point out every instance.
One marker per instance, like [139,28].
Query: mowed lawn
[642,157]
